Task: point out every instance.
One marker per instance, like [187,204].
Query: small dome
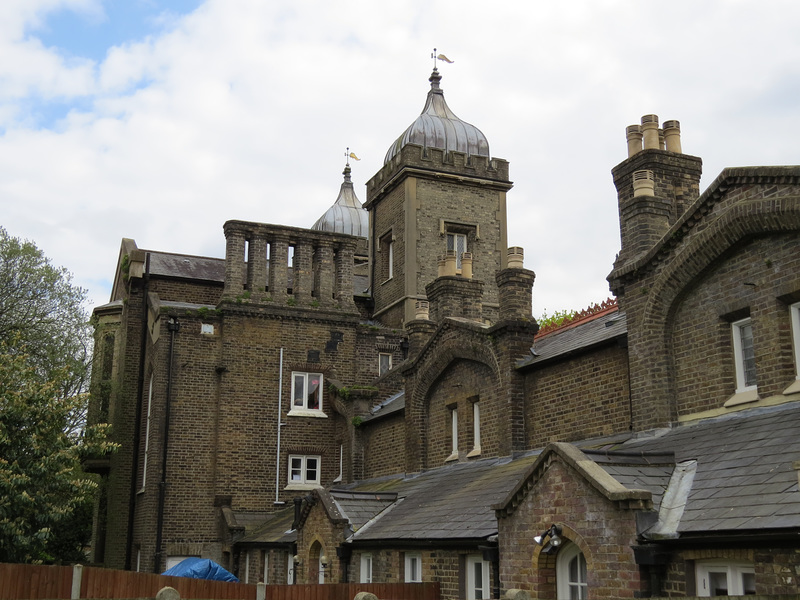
[346,215]
[439,127]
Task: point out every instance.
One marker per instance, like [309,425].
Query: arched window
[571,573]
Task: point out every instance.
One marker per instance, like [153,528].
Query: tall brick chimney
[655,185]
[515,287]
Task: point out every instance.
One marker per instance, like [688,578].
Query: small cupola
[346,215]
[439,127]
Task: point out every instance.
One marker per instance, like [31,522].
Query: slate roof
[360,507]
[267,528]
[393,404]
[576,339]
[746,477]
[449,503]
[639,471]
[186,266]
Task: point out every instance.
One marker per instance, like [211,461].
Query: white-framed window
[386,248]
[365,575]
[265,574]
[139,560]
[476,428]
[794,311]
[458,243]
[174,560]
[413,565]
[306,394]
[384,362]
[304,471]
[246,578]
[744,355]
[147,432]
[341,464]
[478,578]
[571,573]
[453,433]
[724,578]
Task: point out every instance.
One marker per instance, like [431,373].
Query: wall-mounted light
[554,533]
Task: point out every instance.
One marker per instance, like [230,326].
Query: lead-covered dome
[346,215]
[439,127]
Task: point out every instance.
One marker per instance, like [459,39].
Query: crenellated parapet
[303,267]
[437,163]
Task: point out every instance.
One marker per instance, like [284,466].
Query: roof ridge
[593,311]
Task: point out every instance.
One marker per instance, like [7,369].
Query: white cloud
[243,110]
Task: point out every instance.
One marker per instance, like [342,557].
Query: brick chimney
[515,287]
[655,185]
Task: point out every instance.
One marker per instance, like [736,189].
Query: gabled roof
[449,503]
[267,528]
[747,469]
[597,331]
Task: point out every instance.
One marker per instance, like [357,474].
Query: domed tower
[438,190]
[347,215]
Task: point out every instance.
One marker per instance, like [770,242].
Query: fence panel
[37,582]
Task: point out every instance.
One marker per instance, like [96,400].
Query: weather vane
[348,155]
[436,57]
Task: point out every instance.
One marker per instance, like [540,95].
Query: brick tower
[438,191]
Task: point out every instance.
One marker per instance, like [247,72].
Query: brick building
[371,399]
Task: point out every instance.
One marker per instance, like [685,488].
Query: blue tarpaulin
[200,568]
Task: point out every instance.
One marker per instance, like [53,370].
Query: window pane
[749,584]
[314,391]
[312,469]
[297,468]
[748,354]
[299,389]
[718,583]
[478,580]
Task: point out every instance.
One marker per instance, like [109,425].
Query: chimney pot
[650,132]
[466,265]
[515,257]
[422,309]
[672,135]
[633,133]
[643,183]
[450,263]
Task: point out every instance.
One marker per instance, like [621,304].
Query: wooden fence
[35,582]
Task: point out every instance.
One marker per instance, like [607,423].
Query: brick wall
[578,398]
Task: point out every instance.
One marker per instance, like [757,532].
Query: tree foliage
[45,355]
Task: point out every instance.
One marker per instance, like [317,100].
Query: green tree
[45,352]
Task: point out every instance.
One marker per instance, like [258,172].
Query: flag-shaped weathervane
[436,57]
[350,155]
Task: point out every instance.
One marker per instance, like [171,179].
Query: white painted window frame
[299,463]
[453,434]
[794,311]
[452,244]
[381,357]
[735,573]
[475,561]
[365,573]
[299,406]
[413,567]
[737,328]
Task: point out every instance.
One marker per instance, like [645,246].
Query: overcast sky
[159,120]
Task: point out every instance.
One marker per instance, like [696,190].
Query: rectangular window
[413,567]
[384,362]
[744,355]
[476,429]
[794,310]
[306,392]
[147,432]
[366,568]
[453,433]
[386,248]
[478,578]
[304,471]
[265,577]
[719,578]
[458,243]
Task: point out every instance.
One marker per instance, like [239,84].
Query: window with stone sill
[794,314]
[304,472]
[744,360]
[413,567]
[306,395]
[386,248]
[366,568]
[725,578]
[476,428]
[453,433]
[384,362]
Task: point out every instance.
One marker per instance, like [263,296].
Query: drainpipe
[280,411]
[137,433]
[173,327]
